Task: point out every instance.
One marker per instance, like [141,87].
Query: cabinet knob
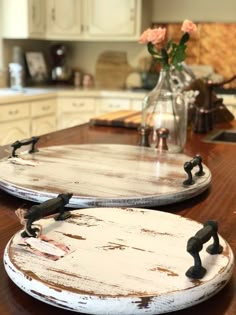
[46,107]
[53,14]
[78,104]
[132,14]
[13,112]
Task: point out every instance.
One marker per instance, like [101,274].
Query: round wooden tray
[116,261]
[102,175]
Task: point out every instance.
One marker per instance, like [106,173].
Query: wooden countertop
[217,203]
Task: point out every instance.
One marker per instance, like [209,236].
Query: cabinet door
[112,18]
[74,111]
[43,125]
[73,119]
[15,130]
[136,104]
[64,18]
[37,21]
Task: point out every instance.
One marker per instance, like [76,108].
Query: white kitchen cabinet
[14,130]
[43,125]
[25,119]
[64,19]
[43,116]
[113,20]
[23,18]
[116,19]
[75,111]
[136,104]
[106,105]
[14,122]
[97,19]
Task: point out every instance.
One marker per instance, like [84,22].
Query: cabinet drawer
[14,111]
[110,105]
[76,104]
[73,119]
[42,108]
[136,105]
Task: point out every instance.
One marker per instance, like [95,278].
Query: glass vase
[164,115]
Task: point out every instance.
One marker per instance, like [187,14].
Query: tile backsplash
[214,45]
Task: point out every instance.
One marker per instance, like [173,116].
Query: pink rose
[188,27]
[144,37]
[155,36]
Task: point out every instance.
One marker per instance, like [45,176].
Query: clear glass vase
[164,115]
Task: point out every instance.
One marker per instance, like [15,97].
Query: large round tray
[116,261]
[102,175]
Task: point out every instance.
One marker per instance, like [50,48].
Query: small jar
[87,81]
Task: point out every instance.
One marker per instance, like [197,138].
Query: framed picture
[37,66]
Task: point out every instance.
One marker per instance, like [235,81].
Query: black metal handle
[48,207]
[188,166]
[195,244]
[18,144]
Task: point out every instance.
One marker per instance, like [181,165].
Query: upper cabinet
[64,19]
[36,16]
[23,19]
[114,20]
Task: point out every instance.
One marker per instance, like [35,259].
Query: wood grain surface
[115,261]
[218,202]
[102,175]
[121,118]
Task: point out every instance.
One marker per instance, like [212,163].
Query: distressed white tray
[119,261]
[102,175]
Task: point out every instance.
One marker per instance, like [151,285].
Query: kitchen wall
[198,11]
[85,54]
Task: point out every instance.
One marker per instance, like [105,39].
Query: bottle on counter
[77,79]
[17,69]
[16,76]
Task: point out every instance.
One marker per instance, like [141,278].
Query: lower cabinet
[43,116]
[14,130]
[14,122]
[75,111]
[23,119]
[43,125]
[106,105]
[136,104]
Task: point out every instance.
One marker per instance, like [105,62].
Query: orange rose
[188,27]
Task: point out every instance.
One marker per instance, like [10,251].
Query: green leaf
[179,55]
[151,48]
[165,56]
[169,44]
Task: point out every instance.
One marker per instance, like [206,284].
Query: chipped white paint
[102,175]
[120,261]
[44,247]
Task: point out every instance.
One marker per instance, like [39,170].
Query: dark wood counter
[217,203]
